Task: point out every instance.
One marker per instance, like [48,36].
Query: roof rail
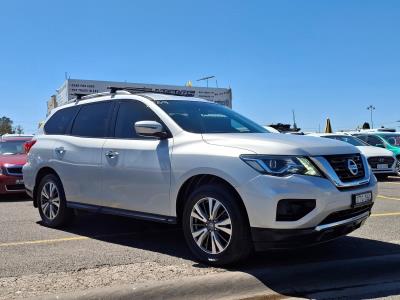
[132,90]
[87,96]
[114,89]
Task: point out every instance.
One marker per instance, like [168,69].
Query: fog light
[294,209]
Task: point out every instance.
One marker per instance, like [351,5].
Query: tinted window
[206,117]
[392,139]
[374,141]
[348,139]
[129,113]
[92,120]
[364,138]
[60,121]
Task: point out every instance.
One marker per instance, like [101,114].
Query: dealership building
[71,87]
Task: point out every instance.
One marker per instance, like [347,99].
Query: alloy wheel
[211,225]
[50,200]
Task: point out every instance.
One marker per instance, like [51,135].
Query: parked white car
[233,186]
[381,161]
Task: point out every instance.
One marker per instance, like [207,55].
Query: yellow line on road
[386,214]
[80,238]
[389,198]
[76,238]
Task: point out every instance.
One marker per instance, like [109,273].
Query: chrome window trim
[327,169]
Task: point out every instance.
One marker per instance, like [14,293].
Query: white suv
[233,186]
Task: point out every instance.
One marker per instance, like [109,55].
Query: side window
[374,141]
[60,121]
[92,120]
[362,137]
[129,113]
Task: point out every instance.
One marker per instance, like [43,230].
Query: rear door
[137,169]
[78,154]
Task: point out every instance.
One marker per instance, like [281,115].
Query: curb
[224,286]
[378,275]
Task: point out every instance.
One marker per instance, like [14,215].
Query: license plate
[19,181]
[382,166]
[362,199]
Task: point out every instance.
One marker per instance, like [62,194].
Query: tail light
[28,145]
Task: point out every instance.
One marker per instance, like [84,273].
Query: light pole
[371,108]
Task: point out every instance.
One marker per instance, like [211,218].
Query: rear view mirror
[150,128]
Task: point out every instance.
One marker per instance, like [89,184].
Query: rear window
[60,121]
[92,120]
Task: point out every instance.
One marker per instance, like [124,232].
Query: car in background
[387,140]
[382,161]
[13,148]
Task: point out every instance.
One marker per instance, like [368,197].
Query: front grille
[14,170]
[15,187]
[374,161]
[340,164]
[346,214]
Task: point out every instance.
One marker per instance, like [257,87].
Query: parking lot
[98,251]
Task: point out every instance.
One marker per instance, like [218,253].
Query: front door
[137,170]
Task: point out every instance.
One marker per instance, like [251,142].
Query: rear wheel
[215,226]
[51,202]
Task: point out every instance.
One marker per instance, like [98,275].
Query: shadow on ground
[20,197]
[348,261]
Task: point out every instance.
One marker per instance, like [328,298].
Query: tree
[6,125]
[366,126]
[18,129]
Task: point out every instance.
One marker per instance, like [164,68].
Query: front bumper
[9,185]
[266,239]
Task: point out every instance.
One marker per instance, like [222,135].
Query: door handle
[60,150]
[111,154]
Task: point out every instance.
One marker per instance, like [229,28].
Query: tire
[228,248]
[55,214]
[398,166]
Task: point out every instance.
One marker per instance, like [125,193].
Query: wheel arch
[202,179]
[40,174]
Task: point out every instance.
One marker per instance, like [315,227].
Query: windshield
[205,117]
[392,139]
[12,147]
[348,139]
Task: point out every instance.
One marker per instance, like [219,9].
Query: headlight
[279,165]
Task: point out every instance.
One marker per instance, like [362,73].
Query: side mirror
[380,145]
[150,128]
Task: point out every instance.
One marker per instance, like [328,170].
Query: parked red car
[13,149]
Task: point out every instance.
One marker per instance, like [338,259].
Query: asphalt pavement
[98,251]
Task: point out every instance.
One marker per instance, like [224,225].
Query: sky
[320,58]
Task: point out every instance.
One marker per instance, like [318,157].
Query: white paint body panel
[148,174]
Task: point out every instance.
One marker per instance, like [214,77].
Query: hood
[280,144]
[370,151]
[17,159]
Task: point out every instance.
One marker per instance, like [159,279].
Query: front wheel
[215,226]
[52,203]
[398,166]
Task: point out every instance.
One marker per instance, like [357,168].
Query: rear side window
[129,113]
[93,120]
[60,121]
